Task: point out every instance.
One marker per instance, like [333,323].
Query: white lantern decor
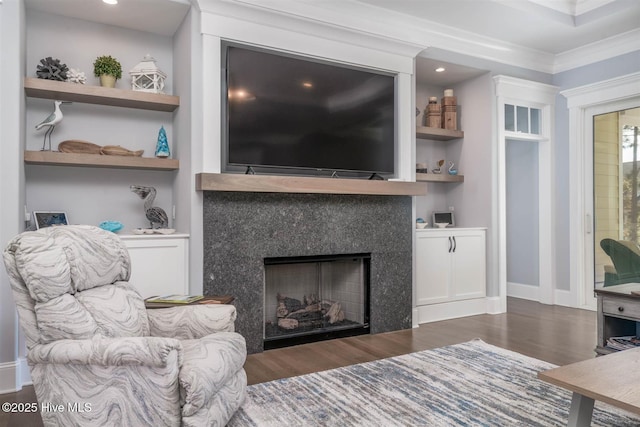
[147,77]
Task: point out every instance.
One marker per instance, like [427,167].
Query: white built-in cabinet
[450,267]
[159,263]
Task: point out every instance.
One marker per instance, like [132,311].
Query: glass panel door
[616,197]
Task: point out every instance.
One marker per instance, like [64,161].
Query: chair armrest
[138,351]
[192,321]
[131,381]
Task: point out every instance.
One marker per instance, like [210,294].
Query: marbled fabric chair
[96,350]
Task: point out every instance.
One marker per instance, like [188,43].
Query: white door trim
[584,102]
[510,90]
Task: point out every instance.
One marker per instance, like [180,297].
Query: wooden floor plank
[559,335]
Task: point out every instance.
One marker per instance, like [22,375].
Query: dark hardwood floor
[555,334]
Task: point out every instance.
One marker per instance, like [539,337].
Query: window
[522,119]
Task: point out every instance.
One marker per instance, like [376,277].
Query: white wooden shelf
[73,92]
[298,184]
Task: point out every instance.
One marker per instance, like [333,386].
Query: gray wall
[522,213]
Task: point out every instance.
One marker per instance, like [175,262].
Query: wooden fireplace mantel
[300,184]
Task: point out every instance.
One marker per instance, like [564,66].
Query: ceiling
[152,16]
[552,26]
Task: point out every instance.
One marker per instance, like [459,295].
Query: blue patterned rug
[469,384]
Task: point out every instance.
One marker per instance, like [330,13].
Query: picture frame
[444,217]
[45,219]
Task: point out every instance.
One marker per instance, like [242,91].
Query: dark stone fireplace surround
[243,228]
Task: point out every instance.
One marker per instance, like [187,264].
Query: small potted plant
[108,69]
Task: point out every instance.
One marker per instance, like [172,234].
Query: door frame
[584,103]
[511,90]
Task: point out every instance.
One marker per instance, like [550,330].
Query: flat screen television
[290,112]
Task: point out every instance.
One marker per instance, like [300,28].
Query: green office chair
[625,256]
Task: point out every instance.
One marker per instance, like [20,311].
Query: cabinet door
[433,268]
[159,266]
[469,266]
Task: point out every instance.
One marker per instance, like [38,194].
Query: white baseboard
[14,375]
[10,377]
[451,310]
[522,291]
[415,317]
[565,298]
[495,306]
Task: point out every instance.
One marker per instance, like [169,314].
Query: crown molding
[598,51]
[388,30]
[512,87]
[615,89]
[374,27]
[308,20]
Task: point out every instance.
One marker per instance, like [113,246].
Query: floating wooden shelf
[435,177]
[424,132]
[63,91]
[96,160]
[295,184]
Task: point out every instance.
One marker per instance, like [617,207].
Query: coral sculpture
[76,76]
[52,69]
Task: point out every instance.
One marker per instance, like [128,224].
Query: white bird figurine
[51,121]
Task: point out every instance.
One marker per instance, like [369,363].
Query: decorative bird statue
[156,216]
[51,121]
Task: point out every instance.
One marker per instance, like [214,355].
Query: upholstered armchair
[95,350]
[625,256]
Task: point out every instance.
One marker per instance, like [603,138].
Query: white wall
[473,200]
[11,181]
[92,195]
[187,124]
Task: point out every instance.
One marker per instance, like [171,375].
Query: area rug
[469,384]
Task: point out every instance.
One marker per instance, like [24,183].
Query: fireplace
[312,298]
[242,229]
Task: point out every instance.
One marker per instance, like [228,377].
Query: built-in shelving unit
[437,134]
[63,91]
[101,161]
[435,177]
[51,89]
[300,184]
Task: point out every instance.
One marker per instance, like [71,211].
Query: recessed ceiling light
[440,69]
[110,1]
[308,85]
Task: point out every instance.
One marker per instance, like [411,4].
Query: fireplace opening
[315,298]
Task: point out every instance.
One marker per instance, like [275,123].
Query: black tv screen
[290,112]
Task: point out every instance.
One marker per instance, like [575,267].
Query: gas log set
[311,312]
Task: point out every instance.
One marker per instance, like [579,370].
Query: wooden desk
[613,379]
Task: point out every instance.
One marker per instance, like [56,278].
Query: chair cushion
[118,310]
[58,260]
[208,364]
[75,275]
